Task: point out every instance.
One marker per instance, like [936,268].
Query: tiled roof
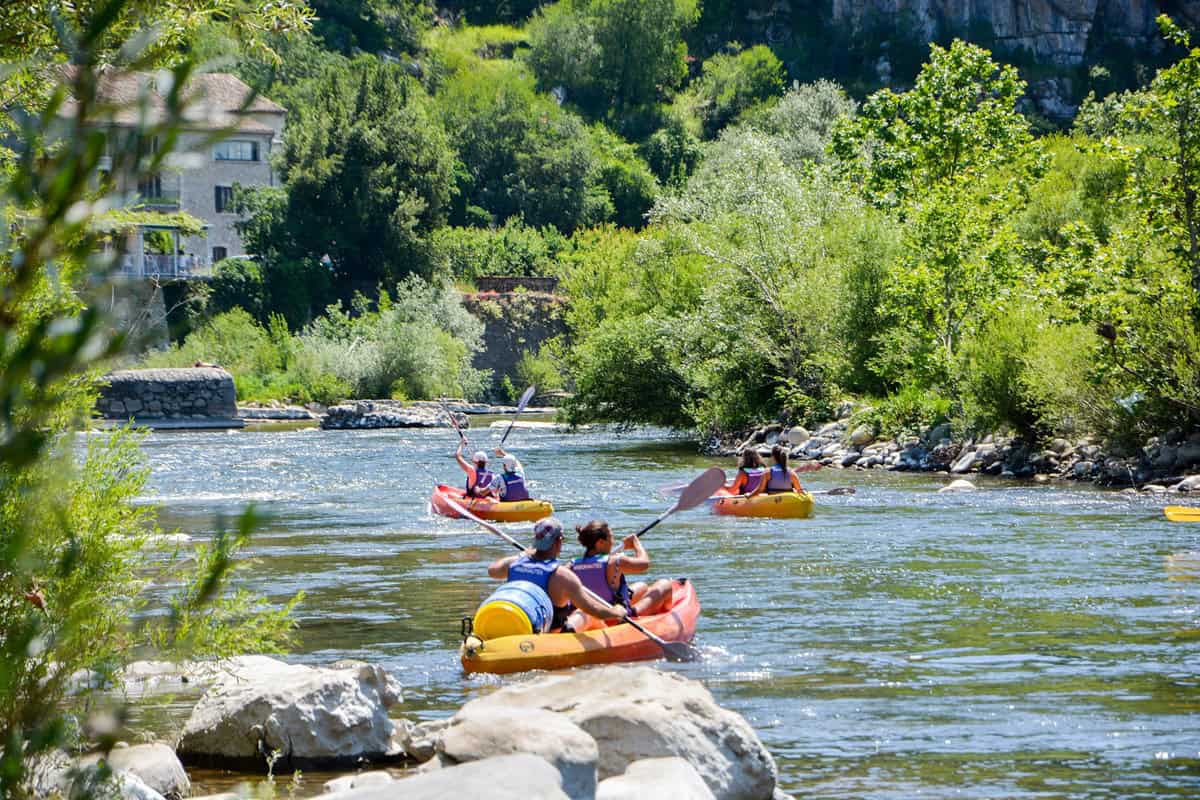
[215,97]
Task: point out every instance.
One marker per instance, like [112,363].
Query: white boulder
[666,778]
[363,780]
[156,765]
[959,485]
[476,733]
[516,777]
[639,712]
[306,715]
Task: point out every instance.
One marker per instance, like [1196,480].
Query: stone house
[200,173]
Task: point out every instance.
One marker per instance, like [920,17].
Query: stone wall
[509,283]
[188,397]
[514,323]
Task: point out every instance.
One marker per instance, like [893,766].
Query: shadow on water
[1019,641]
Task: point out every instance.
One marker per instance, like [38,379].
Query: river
[1019,641]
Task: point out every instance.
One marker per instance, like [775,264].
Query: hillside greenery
[735,246]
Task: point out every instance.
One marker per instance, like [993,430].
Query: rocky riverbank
[1163,464]
[371,414]
[610,732]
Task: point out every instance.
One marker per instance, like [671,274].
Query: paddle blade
[700,489]
[680,651]
[1182,513]
[525,398]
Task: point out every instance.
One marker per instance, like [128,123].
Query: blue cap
[546,532]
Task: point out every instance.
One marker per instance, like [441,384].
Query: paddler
[783,479]
[479,478]
[509,485]
[750,478]
[539,565]
[604,572]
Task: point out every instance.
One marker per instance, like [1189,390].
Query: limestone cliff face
[1054,31]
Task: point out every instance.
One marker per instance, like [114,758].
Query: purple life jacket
[593,573]
[483,479]
[514,487]
[780,480]
[753,478]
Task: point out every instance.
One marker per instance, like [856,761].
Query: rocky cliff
[1059,32]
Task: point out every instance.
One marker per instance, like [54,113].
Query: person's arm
[808,466]
[739,480]
[462,462]
[795,481]
[498,569]
[498,486]
[637,563]
[583,599]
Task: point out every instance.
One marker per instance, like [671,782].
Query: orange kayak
[602,644]
[784,505]
[488,508]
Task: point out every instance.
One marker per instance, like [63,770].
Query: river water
[1019,641]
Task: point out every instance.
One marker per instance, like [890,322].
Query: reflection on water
[1018,641]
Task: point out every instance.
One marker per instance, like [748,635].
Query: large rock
[155,764]
[672,778]
[640,712]
[862,435]
[308,716]
[90,783]
[516,777]
[959,485]
[361,780]
[476,733]
[371,414]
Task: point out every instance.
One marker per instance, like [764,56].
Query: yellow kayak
[784,505]
[487,508]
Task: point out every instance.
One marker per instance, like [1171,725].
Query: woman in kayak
[604,573]
[750,478]
[479,478]
[782,479]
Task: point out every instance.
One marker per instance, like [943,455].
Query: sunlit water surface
[1018,641]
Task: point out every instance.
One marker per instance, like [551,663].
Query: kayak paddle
[453,422]
[692,495]
[674,651]
[1182,513]
[525,398]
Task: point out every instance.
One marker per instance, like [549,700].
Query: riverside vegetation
[732,252]
[79,561]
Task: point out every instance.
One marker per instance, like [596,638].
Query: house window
[236,150]
[150,188]
[223,197]
[219,254]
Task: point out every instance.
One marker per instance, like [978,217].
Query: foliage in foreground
[77,556]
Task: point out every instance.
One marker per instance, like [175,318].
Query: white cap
[510,463]
[479,456]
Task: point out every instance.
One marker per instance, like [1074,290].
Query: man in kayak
[604,572]
[539,565]
[782,479]
[750,475]
[509,485]
[479,479]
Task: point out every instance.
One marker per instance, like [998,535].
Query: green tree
[960,118]
[803,121]
[731,83]
[372,26]
[520,156]
[611,53]
[368,172]
[1168,188]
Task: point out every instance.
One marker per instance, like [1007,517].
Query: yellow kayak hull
[785,505]
[486,508]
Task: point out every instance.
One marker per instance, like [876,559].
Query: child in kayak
[604,573]
[750,478]
[782,479]
[509,485]
[479,478]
